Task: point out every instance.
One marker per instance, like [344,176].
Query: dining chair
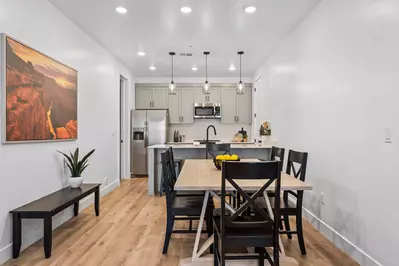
[216,149]
[277,154]
[296,166]
[238,229]
[187,208]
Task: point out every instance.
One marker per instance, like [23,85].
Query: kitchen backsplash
[225,132]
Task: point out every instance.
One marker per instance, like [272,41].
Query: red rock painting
[41,96]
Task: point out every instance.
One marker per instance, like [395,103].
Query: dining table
[202,175]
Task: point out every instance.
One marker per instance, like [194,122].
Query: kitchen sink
[211,141]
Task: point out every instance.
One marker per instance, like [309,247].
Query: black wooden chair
[186,208]
[240,230]
[288,208]
[277,154]
[216,149]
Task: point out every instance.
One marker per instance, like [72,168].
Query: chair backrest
[216,149]
[277,154]
[172,164]
[167,176]
[296,166]
[244,171]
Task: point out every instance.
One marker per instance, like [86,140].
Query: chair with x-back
[239,228]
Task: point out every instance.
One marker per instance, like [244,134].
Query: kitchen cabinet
[159,98]
[244,107]
[181,106]
[236,108]
[143,98]
[151,98]
[214,97]
[228,106]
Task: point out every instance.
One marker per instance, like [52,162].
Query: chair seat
[238,236]
[190,193]
[189,205]
[286,207]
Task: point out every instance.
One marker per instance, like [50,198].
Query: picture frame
[39,95]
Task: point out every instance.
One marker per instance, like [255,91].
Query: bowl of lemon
[218,160]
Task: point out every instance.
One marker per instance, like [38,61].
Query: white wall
[30,171]
[331,88]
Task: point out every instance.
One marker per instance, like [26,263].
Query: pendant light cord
[240,66]
[206,68]
[172,68]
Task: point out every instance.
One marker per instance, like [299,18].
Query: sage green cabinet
[151,98]
[214,97]
[236,108]
[181,106]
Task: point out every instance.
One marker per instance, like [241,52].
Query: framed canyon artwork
[39,95]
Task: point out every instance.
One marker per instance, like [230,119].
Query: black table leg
[48,230]
[16,235]
[76,208]
[97,201]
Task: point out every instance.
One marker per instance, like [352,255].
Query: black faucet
[207,137]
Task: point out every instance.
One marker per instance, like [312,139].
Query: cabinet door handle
[182,118]
[238,119]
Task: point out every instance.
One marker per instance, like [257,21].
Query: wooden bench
[45,208]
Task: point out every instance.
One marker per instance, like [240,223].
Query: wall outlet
[322,198]
[105,180]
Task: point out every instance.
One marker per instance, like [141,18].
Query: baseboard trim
[349,248]
[36,234]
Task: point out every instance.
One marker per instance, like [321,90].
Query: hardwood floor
[130,231]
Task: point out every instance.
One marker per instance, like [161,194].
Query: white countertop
[202,146]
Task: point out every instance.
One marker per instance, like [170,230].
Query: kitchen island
[190,151]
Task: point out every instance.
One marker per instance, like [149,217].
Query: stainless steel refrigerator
[148,127]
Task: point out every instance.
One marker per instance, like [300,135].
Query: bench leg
[76,209]
[48,231]
[97,201]
[16,235]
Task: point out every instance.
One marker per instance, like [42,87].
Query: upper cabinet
[181,106]
[236,108]
[151,98]
[214,97]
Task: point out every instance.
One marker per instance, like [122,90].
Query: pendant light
[206,89]
[240,84]
[172,85]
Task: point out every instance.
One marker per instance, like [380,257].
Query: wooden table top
[202,175]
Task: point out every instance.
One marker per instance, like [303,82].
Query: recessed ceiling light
[232,68]
[121,10]
[194,68]
[250,9]
[185,9]
[153,68]
[141,53]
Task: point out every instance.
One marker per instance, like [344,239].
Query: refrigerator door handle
[146,135]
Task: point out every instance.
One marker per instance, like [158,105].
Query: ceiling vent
[186,54]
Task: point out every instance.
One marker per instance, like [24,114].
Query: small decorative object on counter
[244,135]
[226,157]
[265,129]
[176,136]
[241,136]
[76,167]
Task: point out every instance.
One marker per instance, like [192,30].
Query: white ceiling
[157,27]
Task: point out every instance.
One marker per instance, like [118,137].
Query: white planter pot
[75,182]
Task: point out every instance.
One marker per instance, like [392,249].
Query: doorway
[123,141]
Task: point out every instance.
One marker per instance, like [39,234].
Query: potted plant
[76,167]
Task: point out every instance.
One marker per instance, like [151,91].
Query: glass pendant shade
[206,88]
[240,87]
[172,88]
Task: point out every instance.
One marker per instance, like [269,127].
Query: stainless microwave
[207,110]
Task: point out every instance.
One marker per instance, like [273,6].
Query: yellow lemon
[219,157]
[234,157]
[226,157]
